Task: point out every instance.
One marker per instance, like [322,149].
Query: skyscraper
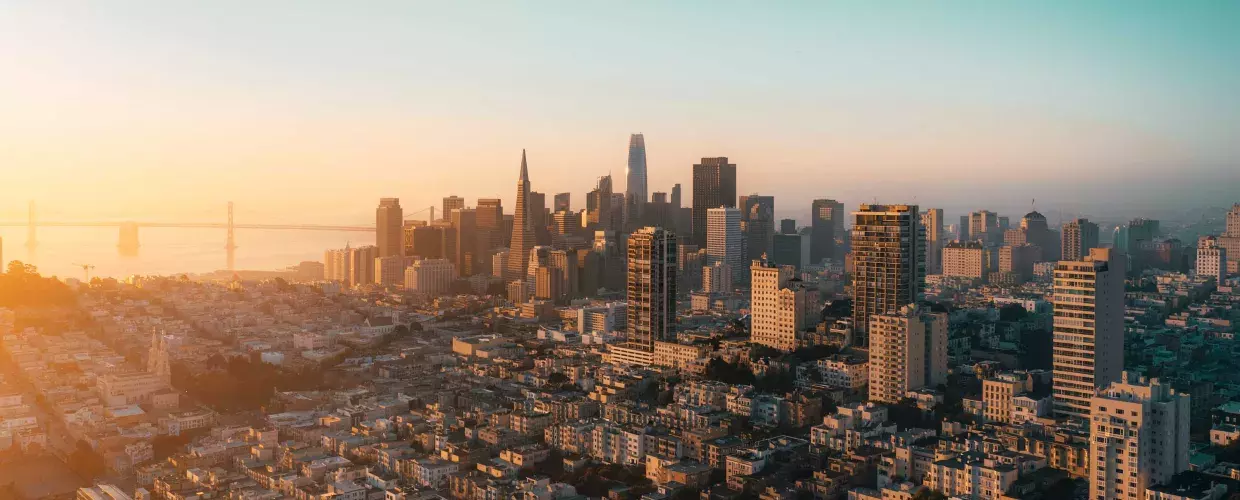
[932,221]
[362,265]
[651,290]
[908,351]
[888,265]
[714,186]
[451,203]
[562,202]
[778,304]
[1077,238]
[522,228]
[984,225]
[389,227]
[1230,240]
[827,222]
[788,226]
[598,204]
[759,228]
[1140,437]
[635,187]
[723,240]
[467,255]
[1088,325]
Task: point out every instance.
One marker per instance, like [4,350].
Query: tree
[557,378]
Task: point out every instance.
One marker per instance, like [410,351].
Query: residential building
[430,276]
[1078,237]
[651,290]
[908,351]
[1211,259]
[1139,434]
[964,259]
[777,306]
[723,240]
[888,266]
[1088,305]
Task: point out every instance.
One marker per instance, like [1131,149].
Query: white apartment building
[723,238]
[845,371]
[1088,304]
[1139,435]
[777,308]
[908,351]
[430,276]
[1211,259]
[966,260]
[971,475]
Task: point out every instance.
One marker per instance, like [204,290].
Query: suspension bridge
[128,241]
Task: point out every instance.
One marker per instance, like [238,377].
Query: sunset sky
[310,111]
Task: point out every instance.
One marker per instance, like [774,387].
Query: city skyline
[228,117]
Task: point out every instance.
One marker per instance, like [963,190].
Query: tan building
[966,260]
[717,278]
[1211,259]
[1077,238]
[1088,304]
[908,351]
[1018,260]
[932,221]
[390,270]
[1139,431]
[677,356]
[430,276]
[777,307]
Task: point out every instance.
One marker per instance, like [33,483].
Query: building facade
[888,266]
[651,290]
[908,351]
[1088,325]
[714,186]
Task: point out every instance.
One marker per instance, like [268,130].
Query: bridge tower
[128,244]
[31,238]
[231,245]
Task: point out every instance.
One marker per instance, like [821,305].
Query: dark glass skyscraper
[635,196]
[651,290]
[714,186]
[389,224]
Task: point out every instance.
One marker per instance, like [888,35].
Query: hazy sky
[310,111]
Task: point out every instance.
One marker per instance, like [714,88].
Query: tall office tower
[1035,231]
[1230,240]
[1088,303]
[962,229]
[635,188]
[451,203]
[549,284]
[566,222]
[787,226]
[658,213]
[888,270]
[1018,261]
[362,265]
[1140,438]
[466,258]
[617,213]
[714,186]
[566,262]
[827,221]
[675,200]
[690,259]
[651,290]
[1141,244]
[490,223]
[777,303]
[717,278]
[522,228]
[965,259]
[390,270]
[537,209]
[984,225]
[908,351]
[747,203]
[562,202]
[540,256]
[723,239]
[1078,237]
[499,262]
[932,221]
[598,204]
[790,249]
[1211,259]
[759,230]
[389,226]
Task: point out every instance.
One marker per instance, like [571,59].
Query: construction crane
[430,208]
[85,270]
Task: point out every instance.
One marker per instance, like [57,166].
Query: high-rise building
[489,220]
[1139,438]
[723,239]
[758,220]
[777,305]
[522,227]
[390,270]
[537,208]
[567,263]
[598,205]
[451,203]
[787,226]
[1230,240]
[1211,259]
[651,290]
[714,186]
[1036,231]
[430,276]
[362,265]
[336,265]
[908,351]
[389,226]
[1141,244]
[717,278]
[827,222]
[467,256]
[690,259]
[984,226]
[635,188]
[964,259]
[888,265]
[932,221]
[1088,325]
[563,201]
[1078,237]
[790,249]
[1018,260]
